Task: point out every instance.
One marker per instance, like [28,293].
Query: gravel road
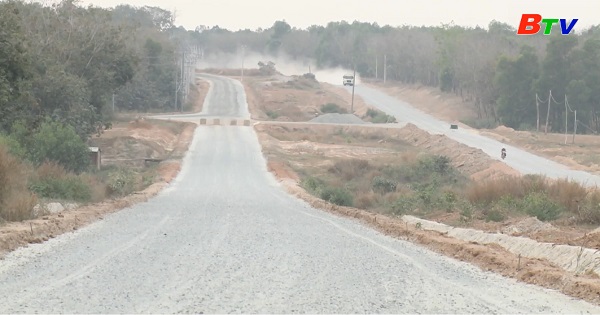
[518,159]
[225,238]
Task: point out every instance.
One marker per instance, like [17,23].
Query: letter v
[567,29]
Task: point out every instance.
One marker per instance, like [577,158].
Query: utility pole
[376,67]
[575,127]
[353,85]
[384,68]
[243,56]
[566,120]
[537,108]
[548,115]
[182,77]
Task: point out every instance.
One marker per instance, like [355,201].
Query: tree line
[64,67]
[67,62]
[496,71]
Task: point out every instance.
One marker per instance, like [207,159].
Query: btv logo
[530,25]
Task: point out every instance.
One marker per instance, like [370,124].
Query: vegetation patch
[333,108]
[378,117]
[405,180]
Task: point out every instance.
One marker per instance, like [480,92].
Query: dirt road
[226,238]
[521,160]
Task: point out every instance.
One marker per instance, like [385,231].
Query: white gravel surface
[518,159]
[225,238]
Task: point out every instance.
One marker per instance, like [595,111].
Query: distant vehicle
[348,80]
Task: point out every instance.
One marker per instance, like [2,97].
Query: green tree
[554,74]
[59,143]
[582,90]
[515,79]
[14,63]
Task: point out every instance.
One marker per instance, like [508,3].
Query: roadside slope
[520,160]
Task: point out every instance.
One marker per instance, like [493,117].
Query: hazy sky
[252,14]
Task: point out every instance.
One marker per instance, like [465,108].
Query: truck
[348,80]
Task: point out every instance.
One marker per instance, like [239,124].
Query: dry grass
[350,169]
[567,193]
[16,202]
[51,170]
[570,196]
[139,124]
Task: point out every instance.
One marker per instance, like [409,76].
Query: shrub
[379,117]
[69,188]
[121,182]
[427,194]
[539,205]
[436,163]
[60,143]
[466,213]
[448,201]
[404,205]
[14,147]
[383,185]
[338,196]
[495,215]
[589,211]
[273,115]
[53,181]
[333,108]
[312,184]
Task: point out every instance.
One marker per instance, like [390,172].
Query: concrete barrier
[571,258]
[203,121]
[217,121]
[233,122]
[247,122]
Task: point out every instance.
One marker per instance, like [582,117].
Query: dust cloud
[286,65]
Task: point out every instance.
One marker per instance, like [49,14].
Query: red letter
[529,20]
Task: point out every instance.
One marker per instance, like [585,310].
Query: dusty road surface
[225,238]
[525,162]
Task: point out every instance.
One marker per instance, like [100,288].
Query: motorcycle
[503,154]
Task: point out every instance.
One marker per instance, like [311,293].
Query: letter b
[530,24]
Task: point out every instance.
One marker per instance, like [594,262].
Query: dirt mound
[335,118]
[468,160]
[503,128]
[526,226]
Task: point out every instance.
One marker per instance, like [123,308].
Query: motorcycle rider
[503,153]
